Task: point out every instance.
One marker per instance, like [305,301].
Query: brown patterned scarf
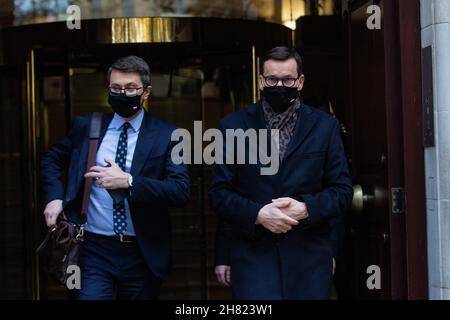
[285,122]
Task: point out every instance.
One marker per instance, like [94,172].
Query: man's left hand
[111,177]
[295,209]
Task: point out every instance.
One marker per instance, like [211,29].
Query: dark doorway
[365,77]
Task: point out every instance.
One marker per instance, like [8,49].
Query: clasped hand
[112,177]
[281,215]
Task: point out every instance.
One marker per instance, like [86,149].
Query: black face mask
[124,105]
[279,97]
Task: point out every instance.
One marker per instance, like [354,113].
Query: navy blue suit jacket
[157,182]
[298,264]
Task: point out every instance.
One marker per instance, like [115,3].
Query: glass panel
[26,11]
[52,118]
[13,250]
[20,12]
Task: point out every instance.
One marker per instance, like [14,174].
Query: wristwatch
[130,181]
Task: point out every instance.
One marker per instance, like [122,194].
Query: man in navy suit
[126,250]
[278,226]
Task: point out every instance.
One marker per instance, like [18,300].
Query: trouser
[111,269]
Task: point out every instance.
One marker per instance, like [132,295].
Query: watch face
[130,181]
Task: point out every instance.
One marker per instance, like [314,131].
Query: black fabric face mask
[123,105]
[279,97]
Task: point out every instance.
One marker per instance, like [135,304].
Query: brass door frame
[256,74]
[30,121]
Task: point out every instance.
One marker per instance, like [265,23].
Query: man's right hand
[271,218]
[223,274]
[52,210]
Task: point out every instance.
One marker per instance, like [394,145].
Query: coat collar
[305,122]
[255,117]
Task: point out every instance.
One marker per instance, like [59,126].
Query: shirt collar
[118,121]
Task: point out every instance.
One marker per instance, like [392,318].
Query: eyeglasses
[128,91]
[272,81]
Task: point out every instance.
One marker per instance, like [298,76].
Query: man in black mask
[274,230]
[126,249]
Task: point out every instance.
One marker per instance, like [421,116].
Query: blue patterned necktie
[119,218]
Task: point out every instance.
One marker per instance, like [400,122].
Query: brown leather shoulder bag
[62,244]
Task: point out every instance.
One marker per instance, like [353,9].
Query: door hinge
[398,200]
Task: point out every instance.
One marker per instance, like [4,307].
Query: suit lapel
[145,142]
[255,117]
[255,120]
[106,120]
[305,122]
